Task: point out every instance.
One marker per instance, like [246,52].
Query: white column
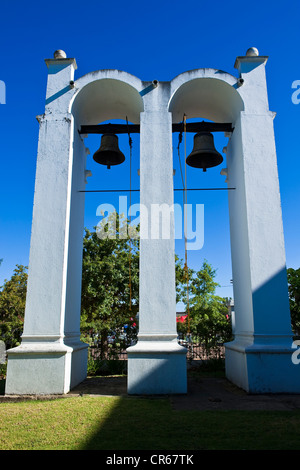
[51,358]
[260,357]
[157,364]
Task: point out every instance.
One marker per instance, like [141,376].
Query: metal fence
[196,351]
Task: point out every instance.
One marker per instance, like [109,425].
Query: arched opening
[101,99]
[107,191]
[211,97]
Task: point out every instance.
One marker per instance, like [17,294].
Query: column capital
[55,65]
[247,63]
[60,81]
[252,71]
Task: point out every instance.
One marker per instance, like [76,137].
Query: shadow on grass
[214,415]
[177,422]
[139,424]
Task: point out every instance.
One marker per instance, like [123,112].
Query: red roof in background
[181,319]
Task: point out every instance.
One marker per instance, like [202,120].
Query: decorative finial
[59,54]
[252,52]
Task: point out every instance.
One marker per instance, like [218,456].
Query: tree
[12,307]
[182,275]
[106,291]
[209,319]
[293,276]
[110,280]
[110,291]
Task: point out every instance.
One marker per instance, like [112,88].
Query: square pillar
[51,357]
[260,358]
[157,363]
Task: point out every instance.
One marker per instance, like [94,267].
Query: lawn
[132,423]
[116,423]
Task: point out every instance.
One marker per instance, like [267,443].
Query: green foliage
[293,276]
[108,264]
[110,259]
[209,319]
[105,367]
[12,307]
[212,367]
[181,275]
[3,369]
[210,323]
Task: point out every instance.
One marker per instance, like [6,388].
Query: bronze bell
[204,155]
[109,153]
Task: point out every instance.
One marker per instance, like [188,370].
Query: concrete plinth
[263,365]
[43,368]
[156,368]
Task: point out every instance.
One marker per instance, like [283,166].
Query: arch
[207,93]
[105,95]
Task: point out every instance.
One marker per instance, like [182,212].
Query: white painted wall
[239,234]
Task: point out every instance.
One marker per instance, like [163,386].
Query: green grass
[130,423]
[115,423]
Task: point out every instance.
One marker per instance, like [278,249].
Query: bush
[3,368]
[106,367]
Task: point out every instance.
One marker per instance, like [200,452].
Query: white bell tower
[51,358]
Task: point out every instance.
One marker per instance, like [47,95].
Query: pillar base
[156,367]
[45,367]
[263,365]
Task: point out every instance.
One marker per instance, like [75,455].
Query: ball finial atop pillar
[252,52]
[60,54]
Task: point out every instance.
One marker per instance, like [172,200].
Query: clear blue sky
[152,40]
